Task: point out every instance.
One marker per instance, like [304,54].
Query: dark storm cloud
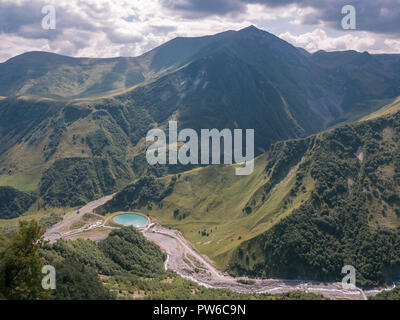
[25,20]
[13,16]
[162,29]
[380,16]
[201,8]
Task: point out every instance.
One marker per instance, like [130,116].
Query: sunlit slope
[217,210]
[52,75]
[78,137]
[310,206]
[384,111]
[352,216]
[46,74]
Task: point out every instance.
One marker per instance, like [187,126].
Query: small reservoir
[131,219]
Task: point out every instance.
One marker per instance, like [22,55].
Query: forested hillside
[352,216]
[312,206]
[123,266]
[73,129]
[325,191]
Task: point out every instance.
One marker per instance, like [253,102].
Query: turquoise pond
[131,219]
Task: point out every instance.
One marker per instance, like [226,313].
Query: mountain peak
[256,32]
[251,28]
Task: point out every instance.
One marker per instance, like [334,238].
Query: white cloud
[103,28]
[19,45]
[393,45]
[100,28]
[319,40]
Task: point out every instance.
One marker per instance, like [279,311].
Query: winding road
[60,230]
[186,261]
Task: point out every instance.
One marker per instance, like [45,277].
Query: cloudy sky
[103,28]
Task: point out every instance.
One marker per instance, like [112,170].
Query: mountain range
[326,136]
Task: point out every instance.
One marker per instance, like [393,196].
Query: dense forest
[123,266]
[78,263]
[352,216]
[393,294]
[14,202]
[127,266]
[348,180]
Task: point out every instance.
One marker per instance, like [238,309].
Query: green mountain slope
[47,74]
[352,217]
[361,78]
[386,110]
[51,75]
[310,207]
[128,266]
[252,79]
[13,202]
[65,154]
[68,151]
[72,130]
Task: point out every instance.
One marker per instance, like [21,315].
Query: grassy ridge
[311,206]
[68,152]
[69,108]
[51,75]
[388,109]
[211,205]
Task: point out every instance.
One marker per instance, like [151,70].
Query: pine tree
[21,265]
